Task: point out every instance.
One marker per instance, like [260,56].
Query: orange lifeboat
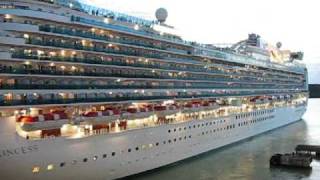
[53,120]
[162,110]
[98,117]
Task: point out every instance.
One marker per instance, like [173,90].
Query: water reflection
[249,159]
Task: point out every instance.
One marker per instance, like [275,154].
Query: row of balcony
[47,70]
[207,86]
[75,46]
[96,60]
[103,37]
[40,100]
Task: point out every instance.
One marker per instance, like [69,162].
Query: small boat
[291,160]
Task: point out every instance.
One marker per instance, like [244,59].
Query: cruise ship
[89,93]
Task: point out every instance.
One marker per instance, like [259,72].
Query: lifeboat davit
[53,120]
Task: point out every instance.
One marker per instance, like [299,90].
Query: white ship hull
[19,156]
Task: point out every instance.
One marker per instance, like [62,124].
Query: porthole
[174,130]
[104,156]
[169,131]
[129,150]
[85,159]
[174,139]
[113,153]
[179,129]
[157,144]
[62,164]
[169,141]
[137,148]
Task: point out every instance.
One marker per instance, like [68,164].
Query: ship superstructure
[86,92]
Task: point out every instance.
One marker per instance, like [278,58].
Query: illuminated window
[36,169]
[50,167]
[95,158]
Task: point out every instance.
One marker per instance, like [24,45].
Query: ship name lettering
[18,151]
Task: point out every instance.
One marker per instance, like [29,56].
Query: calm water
[249,159]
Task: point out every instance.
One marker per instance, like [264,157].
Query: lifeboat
[53,120]
[137,113]
[166,110]
[98,117]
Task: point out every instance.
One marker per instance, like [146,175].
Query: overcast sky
[293,22]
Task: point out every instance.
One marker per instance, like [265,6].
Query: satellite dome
[161,15]
[279,44]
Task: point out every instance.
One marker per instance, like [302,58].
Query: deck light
[136,27]
[106,20]
[36,169]
[26,36]
[50,167]
[7,16]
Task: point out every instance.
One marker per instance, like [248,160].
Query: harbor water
[249,159]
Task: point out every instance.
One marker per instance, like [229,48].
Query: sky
[295,23]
